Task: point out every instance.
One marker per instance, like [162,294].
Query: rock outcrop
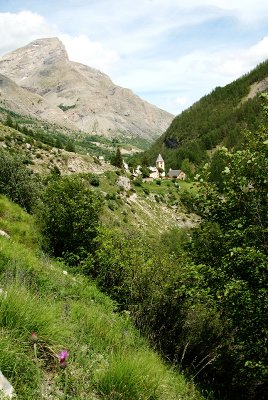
[6,389]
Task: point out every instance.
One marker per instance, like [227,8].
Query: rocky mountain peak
[22,64]
[89,99]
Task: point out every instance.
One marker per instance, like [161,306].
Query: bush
[16,181]
[70,146]
[95,180]
[69,218]
[111,205]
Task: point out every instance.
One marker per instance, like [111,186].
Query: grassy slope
[52,134]
[150,208]
[42,158]
[107,357]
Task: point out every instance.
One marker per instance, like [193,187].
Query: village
[157,172]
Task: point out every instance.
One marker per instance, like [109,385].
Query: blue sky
[169,52]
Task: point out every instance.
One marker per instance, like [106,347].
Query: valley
[115,284]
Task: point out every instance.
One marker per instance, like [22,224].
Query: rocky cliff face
[84,97]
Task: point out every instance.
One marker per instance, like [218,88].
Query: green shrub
[66,107]
[16,181]
[117,159]
[132,377]
[69,218]
[94,180]
[70,146]
[111,205]
[110,196]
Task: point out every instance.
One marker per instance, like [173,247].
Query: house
[137,172]
[154,173]
[176,174]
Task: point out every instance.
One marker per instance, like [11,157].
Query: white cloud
[182,100]
[83,50]
[185,79]
[18,29]
[232,64]
[130,41]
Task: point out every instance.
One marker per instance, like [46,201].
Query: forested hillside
[216,119]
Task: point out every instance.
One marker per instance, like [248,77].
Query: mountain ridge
[90,100]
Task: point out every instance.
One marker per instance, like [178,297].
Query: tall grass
[19,366]
[108,359]
[24,313]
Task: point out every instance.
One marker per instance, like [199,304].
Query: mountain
[82,97]
[19,100]
[219,118]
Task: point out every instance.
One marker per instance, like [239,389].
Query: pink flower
[63,355]
[34,336]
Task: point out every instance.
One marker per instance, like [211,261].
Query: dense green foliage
[66,108]
[218,118]
[54,136]
[16,181]
[69,217]
[117,159]
[231,243]
[46,135]
[201,295]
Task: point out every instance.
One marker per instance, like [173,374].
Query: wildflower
[63,355]
[34,337]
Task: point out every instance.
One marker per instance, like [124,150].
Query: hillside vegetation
[46,135]
[218,118]
[45,310]
[195,287]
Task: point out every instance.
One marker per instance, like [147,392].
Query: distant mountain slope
[218,118]
[16,99]
[88,98]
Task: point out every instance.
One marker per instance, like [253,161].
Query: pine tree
[117,160]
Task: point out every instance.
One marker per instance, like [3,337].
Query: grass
[15,222]
[108,359]
[141,375]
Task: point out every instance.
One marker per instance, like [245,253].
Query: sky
[169,52]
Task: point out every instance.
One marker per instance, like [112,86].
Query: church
[159,171]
